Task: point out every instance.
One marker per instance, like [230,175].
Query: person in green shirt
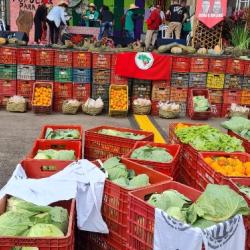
[91,16]
[129,23]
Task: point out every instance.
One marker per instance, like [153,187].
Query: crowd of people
[56,17]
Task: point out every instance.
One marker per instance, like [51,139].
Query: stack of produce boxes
[215,84]
[26,72]
[160,93]
[179,81]
[233,84]
[8,73]
[63,78]
[101,65]
[82,73]
[245,93]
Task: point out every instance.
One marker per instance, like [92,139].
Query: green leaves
[62,134]
[201,103]
[117,133]
[63,155]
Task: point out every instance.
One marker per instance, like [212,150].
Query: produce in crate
[239,125]
[119,174]
[16,104]
[169,110]
[149,153]
[245,190]
[23,218]
[42,96]
[119,99]
[229,166]
[206,138]
[62,134]
[216,204]
[201,103]
[128,135]
[51,154]
[70,106]
[237,110]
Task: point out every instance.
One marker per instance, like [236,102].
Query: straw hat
[63,2]
[92,5]
[133,6]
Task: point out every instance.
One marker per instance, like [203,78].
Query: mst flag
[144,65]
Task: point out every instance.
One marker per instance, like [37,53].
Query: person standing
[177,18]
[153,22]
[40,20]
[91,16]
[106,18]
[129,23]
[56,18]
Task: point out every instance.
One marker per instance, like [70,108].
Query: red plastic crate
[81,92]
[235,66]
[216,96]
[199,64]
[142,215]
[8,87]
[161,82]
[118,80]
[56,243]
[178,94]
[217,66]
[45,57]
[58,103]
[98,146]
[63,90]
[247,68]
[225,109]
[160,92]
[63,58]
[191,112]
[82,59]
[168,168]
[180,64]
[58,127]
[101,60]
[57,145]
[115,199]
[8,55]
[114,60]
[207,174]
[25,88]
[245,97]
[26,56]
[154,108]
[231,96]
[216,110]
[246,143]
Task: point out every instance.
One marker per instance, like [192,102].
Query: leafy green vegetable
[63,155]
[245,190]
[206,138]
[177,213]
[120,175]
[201,103]
[117,133]
[62,134]
[149,153]
[239,125]
[219,203]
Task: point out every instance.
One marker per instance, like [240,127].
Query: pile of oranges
[118,99]
[42,96]
[229,166]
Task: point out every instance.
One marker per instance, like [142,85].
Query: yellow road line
[145,124]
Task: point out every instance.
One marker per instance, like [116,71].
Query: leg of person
[154,37]
[110,29]
[57,33]
[102,27]
[38,32]
[51,31]
[178,30]
[148,38]
[170,30]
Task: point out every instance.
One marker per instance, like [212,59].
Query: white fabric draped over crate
[81,180]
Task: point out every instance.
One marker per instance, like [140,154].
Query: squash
[176,50]
[202,51]
[2,41]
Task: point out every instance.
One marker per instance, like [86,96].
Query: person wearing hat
[56,18]
[91,16]
[130,23]
[40,20]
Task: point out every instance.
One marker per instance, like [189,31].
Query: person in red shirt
[153,22]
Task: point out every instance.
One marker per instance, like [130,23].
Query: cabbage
[62,134]
[177,213]
[63,155]
[201,103]
[122,181]
[140,180]
[117,133]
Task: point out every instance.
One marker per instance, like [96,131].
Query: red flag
[144,65]
[211,12]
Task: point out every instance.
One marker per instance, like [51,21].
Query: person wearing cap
[91,16]
[40,20]
[56,18]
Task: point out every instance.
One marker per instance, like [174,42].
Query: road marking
[146,124]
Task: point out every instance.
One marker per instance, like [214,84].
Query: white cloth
[229,235]
[57,15]
[170,234]
[81,180]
